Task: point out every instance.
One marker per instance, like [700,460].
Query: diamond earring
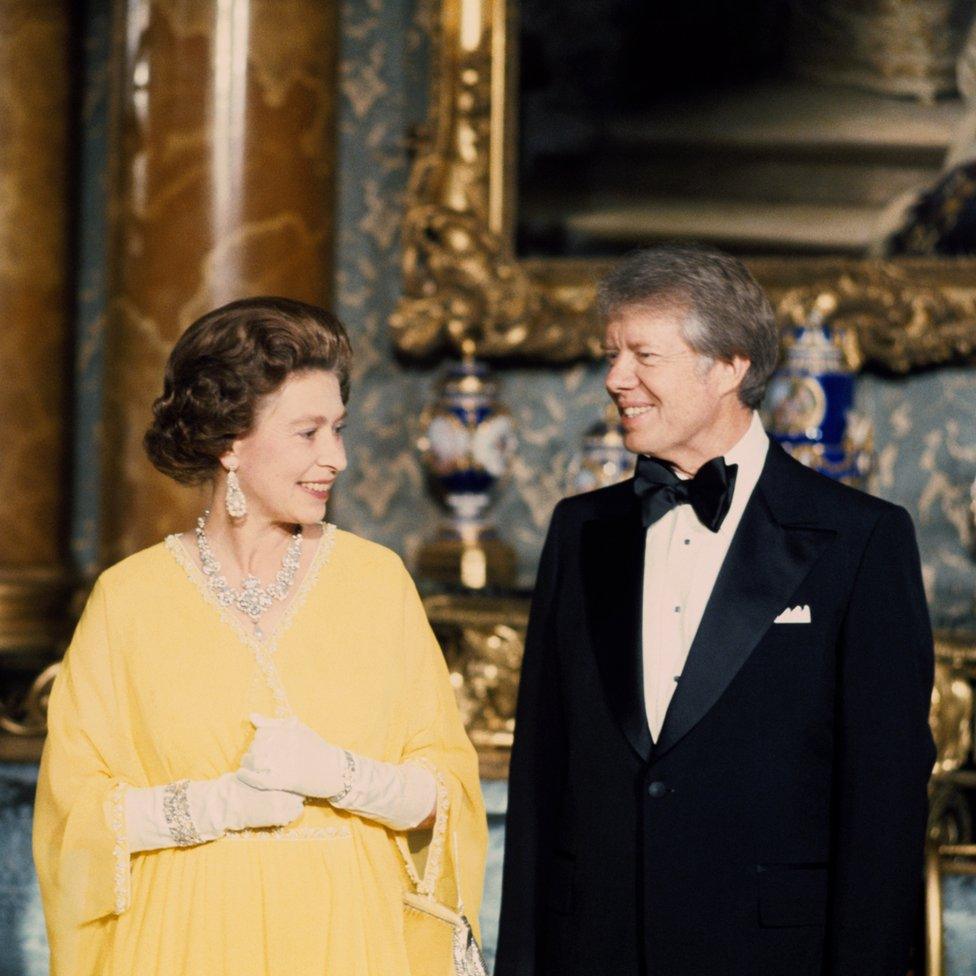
[234,500]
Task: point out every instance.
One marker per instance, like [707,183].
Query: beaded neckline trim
[264,649]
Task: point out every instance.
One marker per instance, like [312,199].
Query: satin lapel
[613,571]
[763,567]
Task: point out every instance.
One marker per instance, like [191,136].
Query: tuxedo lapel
[613,570]
[765,563]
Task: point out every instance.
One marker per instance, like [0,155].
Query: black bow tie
[709,493]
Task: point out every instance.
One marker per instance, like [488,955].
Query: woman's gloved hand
[287,755]
[227,803]
[190,812]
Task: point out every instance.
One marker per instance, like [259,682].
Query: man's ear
[732,372]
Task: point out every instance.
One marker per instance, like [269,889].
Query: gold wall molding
[462,278]
[223,188]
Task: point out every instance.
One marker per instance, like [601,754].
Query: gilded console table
[483,638]
[951,718]
[950,850]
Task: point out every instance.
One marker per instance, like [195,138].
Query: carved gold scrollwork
[897,315]
[463,280]
[458,284]
[490,667]
[460,276]
[951,721]
[951,718]
[483,639]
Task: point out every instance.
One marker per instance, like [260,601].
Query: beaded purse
[439,940]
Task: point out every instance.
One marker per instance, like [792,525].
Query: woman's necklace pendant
[252,599]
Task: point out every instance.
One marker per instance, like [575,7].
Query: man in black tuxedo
[722,747]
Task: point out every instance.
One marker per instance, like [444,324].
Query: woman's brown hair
[222,366]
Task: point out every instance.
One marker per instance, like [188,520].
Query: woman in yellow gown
[233,766]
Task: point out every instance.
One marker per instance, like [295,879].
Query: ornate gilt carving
[483,639]
[951,719]
[460,275]
[900,315]
[462,278]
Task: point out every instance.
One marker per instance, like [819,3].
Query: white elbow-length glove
[288,755]
[187,812]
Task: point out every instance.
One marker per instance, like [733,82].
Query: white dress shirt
[682,559]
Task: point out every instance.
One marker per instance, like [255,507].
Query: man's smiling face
[669,396]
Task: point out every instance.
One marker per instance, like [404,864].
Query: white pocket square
[794,615]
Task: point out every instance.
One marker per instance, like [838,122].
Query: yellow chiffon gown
[157,686]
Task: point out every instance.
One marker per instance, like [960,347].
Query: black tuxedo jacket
[777,826]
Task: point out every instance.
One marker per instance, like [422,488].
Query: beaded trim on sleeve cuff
[348,778]
[176,810]
[435,852]
[120,849]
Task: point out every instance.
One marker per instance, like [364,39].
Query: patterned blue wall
[925,427]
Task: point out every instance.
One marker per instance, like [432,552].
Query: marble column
[34,341]
[223,188]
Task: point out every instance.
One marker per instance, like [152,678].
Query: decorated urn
[810,401]
[467,442]
[602,459]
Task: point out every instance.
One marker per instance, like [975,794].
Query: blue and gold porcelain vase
[467,442]
[602,459]
[810,401]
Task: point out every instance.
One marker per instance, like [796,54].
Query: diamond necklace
[252,598]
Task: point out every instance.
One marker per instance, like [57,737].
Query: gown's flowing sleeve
[80,848]
[436,739]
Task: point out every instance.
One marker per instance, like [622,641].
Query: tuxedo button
[657,789]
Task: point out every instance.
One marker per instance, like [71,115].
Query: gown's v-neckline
[264,648]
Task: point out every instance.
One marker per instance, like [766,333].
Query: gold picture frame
[463,280]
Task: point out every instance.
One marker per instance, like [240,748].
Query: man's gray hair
[727,314]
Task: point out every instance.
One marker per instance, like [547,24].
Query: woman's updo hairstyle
[223,365]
